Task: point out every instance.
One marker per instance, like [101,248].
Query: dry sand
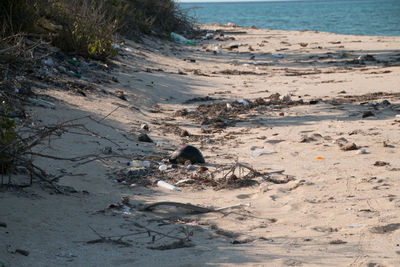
[334,207]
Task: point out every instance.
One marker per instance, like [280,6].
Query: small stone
[381,163]
[125,200]
[187,153]
[144,138]
[107,150]
[203,169]
[367,114]
[349,147]
[184,133]
[385,103]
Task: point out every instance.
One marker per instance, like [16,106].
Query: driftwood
[189,206]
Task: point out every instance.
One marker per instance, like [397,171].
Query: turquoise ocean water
[360,17]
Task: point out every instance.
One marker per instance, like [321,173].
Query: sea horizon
[356,17]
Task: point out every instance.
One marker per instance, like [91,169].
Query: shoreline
[228,25]
[317,142]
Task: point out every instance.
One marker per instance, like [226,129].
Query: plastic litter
[177,38]
[76,74]
[354,225]
[260,153]
[163,167]
[138,163]
[48,62]
[361,151]
[115,46]
[167,186]
[208,36]
[228,106]
[275,55]
[190,168]
[242,101]
[72,61]
[185,153]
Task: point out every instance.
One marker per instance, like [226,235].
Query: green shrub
[86,29]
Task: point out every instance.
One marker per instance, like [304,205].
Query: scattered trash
[319,158]
[144,138]
[228,106]
[177,38]
[115,46]
[242,101]
[275,55]
[367,58]
[355,225]
[159,143]
[186,181]
[138,164]
[48,62]
[128,49]
[72,61]
[144,126]
[185,153]
[76,74]
[167,186]
[303,44]
[208,36]
[344,54]
[361,151]
[260,153]
[163,167]
[134,173]
[190,167]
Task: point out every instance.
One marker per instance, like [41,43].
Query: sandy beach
[300,132]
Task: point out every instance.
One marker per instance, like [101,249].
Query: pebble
[144,138]
[187,153]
